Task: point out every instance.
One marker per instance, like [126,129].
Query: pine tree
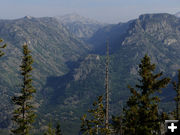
[96,125]
[131,118]
[176,87]
[141,114]
[117,125]
[3,46]
[51,130]
[58,129]
[24,114]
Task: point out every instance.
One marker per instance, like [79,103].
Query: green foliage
[3,46]
[141,114]
[24,114]
[96,125]
[58,129]
[53,131]
[50,130]
[117,125]
[176,87]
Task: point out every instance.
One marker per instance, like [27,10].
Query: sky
[108,11]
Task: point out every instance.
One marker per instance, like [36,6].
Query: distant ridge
[177,14]
[80,26]
[74,17]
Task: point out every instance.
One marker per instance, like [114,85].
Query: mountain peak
[28,17]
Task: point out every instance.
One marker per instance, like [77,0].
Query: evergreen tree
[3,46]
[96,125]
[50,131]
[141,114]
[58,129]
[131,118]
[176,87]
[24,114]
[117,125]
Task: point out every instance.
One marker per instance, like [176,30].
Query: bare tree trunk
[107,87]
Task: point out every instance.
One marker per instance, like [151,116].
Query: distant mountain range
[80,26]
[69,55]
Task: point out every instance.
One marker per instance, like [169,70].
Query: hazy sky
[101,10]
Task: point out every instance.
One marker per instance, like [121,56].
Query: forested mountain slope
[52,46]
[154,34]
[69,76]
